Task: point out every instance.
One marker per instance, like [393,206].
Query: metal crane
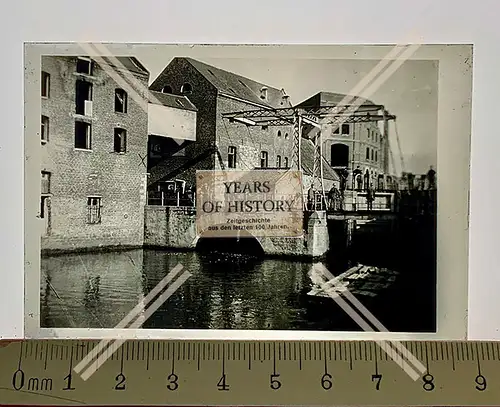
[304,119]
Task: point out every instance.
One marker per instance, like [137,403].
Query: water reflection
[224,292]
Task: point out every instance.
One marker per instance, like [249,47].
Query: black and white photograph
[122,133]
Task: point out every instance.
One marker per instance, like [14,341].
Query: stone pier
[175,228]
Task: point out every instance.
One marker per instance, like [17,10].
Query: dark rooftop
[167,99]
[131,64]
[307,156]
[239,86]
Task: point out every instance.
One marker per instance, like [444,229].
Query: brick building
[93,137]
[358,147]
[219,143]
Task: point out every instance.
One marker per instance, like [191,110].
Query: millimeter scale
[218,373]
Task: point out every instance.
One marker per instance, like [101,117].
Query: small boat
[360,279]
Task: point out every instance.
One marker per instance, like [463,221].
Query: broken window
[120,101]
[84,65]
[83,98]
[93,209]
[45,84]
[120,141]
[44,130]
[83,135]
[231,157]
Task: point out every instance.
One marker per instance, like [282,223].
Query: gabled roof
[239,86]
[167,99]
[334,99]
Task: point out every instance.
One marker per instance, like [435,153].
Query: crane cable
[399,148]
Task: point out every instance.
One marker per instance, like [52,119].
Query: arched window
[279,133]
[339,155]
[286,135]
[186,88]
[167,89]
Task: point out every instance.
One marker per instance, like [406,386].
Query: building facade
[94,144]
[360,148]
[221,144]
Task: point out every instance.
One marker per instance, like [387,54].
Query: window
[279,133]
[93,209]
[285,163]
[45,182]
[367,153]
[83,98]
[45,84]
[120,101]
[346,129]
[167,89]
[372,156]
[339,155]
[263,93]
[286,135]
[368,132]
[44,200]
[44,130]
[336,130]
[376,155]
[278,161]
[231,157]
[85,66]
[186,88]
[120,141]
[83,135]
[263,159]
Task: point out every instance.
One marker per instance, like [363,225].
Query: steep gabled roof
[167,99]
[239,86]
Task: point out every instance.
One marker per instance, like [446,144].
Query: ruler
[247,373]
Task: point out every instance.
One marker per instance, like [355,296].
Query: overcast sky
[410,93]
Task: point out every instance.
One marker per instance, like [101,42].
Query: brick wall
[118,178]
[250,141]
[204,97]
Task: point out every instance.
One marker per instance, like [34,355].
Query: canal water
[237,291]
[244,291]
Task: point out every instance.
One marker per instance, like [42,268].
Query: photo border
[453,147]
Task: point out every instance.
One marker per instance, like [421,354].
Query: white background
[262,21]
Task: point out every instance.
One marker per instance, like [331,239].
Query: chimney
[263,93]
